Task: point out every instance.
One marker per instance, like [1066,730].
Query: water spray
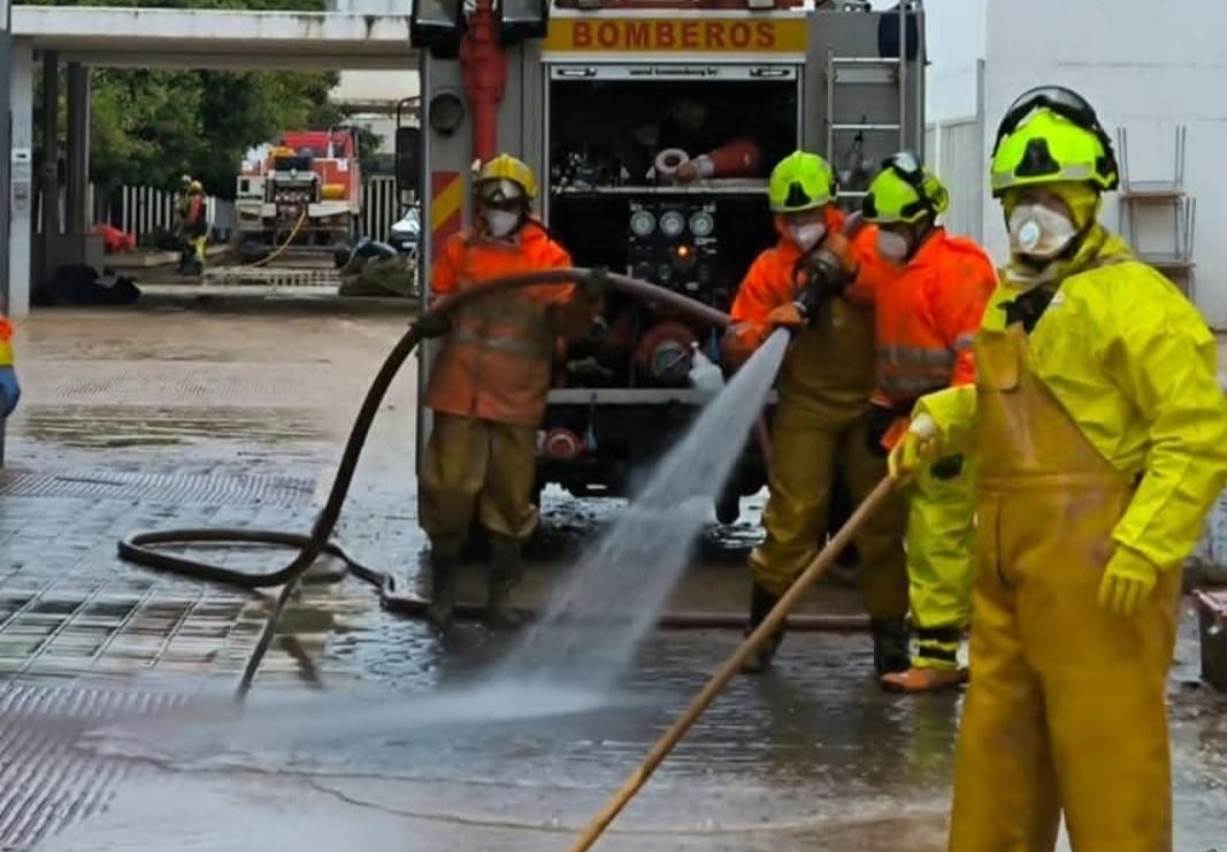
[138,547]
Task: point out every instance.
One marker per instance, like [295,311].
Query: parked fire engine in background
[653,132]
[307,190]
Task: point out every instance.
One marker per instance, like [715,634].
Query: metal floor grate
[284,491]
[46,782]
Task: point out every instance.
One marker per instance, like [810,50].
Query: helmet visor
[907,166]
[1064,102]
[500,192]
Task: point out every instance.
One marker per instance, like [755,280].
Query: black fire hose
[136,548]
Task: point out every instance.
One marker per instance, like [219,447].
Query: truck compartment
[610,131]
[609,126]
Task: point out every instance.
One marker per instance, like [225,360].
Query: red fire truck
[307,188]
[606,106]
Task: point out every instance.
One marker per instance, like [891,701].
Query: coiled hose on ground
[138,547]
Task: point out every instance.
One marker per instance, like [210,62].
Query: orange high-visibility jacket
[831,362]
[927,315]
[495,363]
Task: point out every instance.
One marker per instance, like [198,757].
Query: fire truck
[307,188]
[607,103]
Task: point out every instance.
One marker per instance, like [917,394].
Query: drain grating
[283,491]
[272,277]
[46,782]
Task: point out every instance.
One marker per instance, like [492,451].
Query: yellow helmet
[502,172]
[1051,134]
[801,181]
[195,186]
[904,191]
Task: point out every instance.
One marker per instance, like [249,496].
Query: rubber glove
[787,315]
[10,391]
[920,445]
[1128,581]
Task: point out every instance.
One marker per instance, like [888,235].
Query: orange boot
[918,679]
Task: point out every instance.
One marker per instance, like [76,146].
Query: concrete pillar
[77,215]
[51,157]
[21,196]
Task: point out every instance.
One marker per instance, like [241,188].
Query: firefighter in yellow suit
[1102,440]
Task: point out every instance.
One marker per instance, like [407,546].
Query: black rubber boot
[890,645]
[442,589]
[761,603]
[506,569]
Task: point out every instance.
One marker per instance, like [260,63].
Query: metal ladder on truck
[851,72]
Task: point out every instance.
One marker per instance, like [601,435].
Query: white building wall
[367,87]
[1144,65]
[954,36]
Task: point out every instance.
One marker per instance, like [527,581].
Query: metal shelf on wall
[1137,195]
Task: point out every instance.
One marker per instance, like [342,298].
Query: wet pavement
[366,730]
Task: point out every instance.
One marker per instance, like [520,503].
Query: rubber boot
[506,569]
[890,645]
[761,603]
[442,589]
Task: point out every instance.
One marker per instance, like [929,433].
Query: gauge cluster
[673,243]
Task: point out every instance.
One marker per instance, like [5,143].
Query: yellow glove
[1128,580]
[920,445]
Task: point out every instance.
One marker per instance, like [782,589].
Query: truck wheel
[728,508]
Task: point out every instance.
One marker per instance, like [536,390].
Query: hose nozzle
[818,277]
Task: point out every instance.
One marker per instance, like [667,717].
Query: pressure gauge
[672,224]
[702,224]
[643,223]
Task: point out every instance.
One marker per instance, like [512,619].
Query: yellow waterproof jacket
[1133,364]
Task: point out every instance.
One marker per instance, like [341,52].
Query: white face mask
[892,246]
[807,236]
[500,223]
[1038,231]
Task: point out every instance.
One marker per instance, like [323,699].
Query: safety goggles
[1064,102]
[501,192]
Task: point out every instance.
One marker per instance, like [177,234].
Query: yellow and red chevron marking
[446,207]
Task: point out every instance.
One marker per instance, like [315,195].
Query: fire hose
[268,258]
[138,547]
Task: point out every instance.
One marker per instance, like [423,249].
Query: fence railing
[145,210]
[380,207]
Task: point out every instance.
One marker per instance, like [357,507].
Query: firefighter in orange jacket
[488,387]
[824,388]
[928,303]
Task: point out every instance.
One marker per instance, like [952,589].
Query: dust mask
[500,223]
[1038,231]
[807,236]
[892,246]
